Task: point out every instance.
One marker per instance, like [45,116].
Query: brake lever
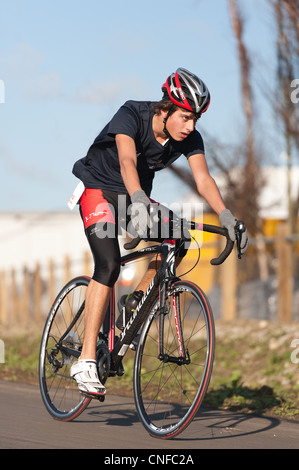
[239,229]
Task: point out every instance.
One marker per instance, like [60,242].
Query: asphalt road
[113,425]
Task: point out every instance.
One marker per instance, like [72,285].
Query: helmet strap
[165,130]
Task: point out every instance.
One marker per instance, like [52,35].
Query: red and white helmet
[188,91]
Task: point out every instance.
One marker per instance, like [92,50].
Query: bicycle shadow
[246,405]
[118,414]
[223,424]
[209,424]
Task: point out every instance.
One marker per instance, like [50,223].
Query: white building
[31,237]
[273,197]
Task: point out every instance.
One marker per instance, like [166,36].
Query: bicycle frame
[164,277]
[119,346]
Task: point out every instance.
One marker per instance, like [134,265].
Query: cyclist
[142,138]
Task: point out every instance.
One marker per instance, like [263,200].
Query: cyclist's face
[180,124]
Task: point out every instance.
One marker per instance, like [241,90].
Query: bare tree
[245,68]
[286,14]
[241,174]
[250,183]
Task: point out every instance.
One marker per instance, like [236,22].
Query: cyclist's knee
[106,256]
[106,271]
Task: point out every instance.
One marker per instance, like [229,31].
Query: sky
[66,66]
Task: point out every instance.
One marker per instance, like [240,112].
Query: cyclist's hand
[228,221]
[139,212]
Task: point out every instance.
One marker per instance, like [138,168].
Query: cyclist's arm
[128,162]
[206,185]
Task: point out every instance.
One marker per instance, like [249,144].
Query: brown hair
[168,105]
[165,105]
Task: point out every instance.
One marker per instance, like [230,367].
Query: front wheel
[168,393]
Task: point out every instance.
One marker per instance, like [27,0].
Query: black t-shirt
[101,169]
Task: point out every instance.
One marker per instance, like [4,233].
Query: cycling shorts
[105,215]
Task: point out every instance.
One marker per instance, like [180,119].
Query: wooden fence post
[37,293]
[13,298]
[67,278]
[25,298]
[284,273]
[229,288]
[67,269]
[51,283]
[3,298]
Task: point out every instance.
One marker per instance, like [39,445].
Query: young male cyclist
[142,138]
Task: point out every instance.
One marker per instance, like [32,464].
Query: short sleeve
[125,121]
[194,145]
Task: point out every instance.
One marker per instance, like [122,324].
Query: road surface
[113,425]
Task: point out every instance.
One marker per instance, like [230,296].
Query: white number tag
[76,195]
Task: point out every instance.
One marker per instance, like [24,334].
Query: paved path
[25,424]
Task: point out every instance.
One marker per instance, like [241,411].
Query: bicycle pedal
[93,397]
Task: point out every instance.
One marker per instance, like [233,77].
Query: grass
[253,371]
[21,359]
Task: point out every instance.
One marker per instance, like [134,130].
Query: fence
[26,295]
[271,264]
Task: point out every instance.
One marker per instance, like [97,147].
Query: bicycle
[175,352]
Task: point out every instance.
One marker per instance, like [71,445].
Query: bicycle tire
[168,395]
[59,391]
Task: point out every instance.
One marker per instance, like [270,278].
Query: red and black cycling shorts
[98,206]
[100,209]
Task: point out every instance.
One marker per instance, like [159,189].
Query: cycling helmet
[186,90]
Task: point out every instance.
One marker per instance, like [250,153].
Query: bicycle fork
[183,356]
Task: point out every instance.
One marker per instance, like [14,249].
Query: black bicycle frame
[118,346]
[164,277]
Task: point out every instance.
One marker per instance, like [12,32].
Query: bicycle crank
[103,361]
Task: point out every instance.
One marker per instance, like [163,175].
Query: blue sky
[68,65]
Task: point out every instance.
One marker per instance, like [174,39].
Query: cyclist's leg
[100,229]
[97,298]
[154,266]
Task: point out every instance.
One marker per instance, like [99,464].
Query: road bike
[174,325]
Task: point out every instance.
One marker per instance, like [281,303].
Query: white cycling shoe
[85,373]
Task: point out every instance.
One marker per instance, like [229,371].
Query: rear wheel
[169,391]
[60,346]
